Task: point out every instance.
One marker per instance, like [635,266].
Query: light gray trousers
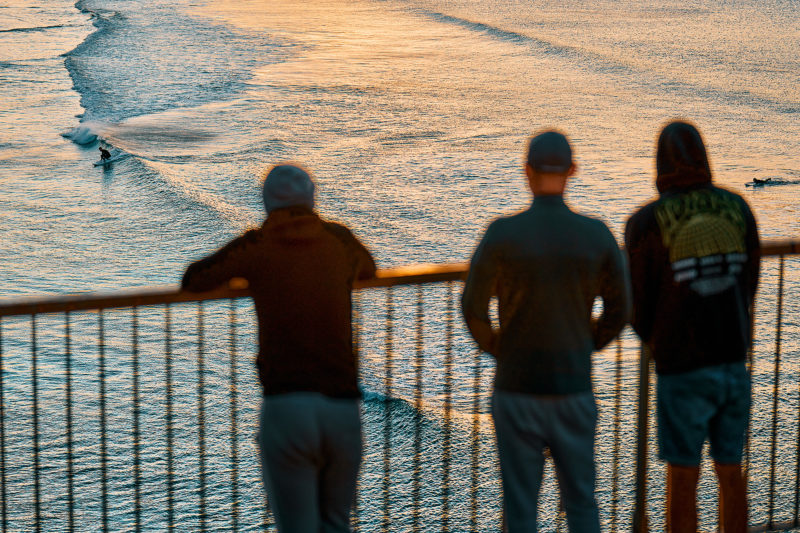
[310,454]
[525,424]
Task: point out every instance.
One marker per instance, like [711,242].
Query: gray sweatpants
[310,455]
[525,424]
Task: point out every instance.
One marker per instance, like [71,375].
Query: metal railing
[114,415]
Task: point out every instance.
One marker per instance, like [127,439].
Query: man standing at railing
[300,270]
[546,265]
[694,257]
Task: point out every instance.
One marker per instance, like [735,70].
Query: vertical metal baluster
[137,468]
[797,471]
[103,433]
[265,517]
[774,443]
[561,518]
[356,332]
[234,426]
[201,415]
[617,437]
[476,407]
[3,506]
[387,425]
[746,451]
[797,451]
[415,488]
[640,505]
[170,436]
[70,466]
[36,462]
[797,465]
[448,399]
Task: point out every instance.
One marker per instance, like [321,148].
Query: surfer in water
[757,181]
[105,155]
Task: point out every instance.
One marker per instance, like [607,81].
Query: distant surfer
[105,155]
[757,181]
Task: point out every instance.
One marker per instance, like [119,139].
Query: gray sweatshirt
[546,265]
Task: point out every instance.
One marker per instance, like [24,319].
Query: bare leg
[682,498]
[732,498]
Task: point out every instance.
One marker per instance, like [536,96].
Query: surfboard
[771,183]
[113,158]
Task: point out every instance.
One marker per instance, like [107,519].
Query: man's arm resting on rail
[218,268]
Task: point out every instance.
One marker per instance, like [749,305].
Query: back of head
[549,152]
[288,185]
[681,159]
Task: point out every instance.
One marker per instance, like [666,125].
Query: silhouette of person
[300,270]
[694,260]
[546,265]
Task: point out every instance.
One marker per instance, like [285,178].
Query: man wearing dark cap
[546,265]
[300,270]
[694,258]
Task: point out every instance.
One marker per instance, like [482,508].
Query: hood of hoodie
[292,224]
[681,159]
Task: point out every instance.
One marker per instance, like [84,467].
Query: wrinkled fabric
[547,265]
[301,270]
[712,402]
[525,425]
[310,448]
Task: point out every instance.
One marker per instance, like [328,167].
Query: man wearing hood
[694,261]
[300,270]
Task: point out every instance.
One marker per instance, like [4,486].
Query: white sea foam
[82,134]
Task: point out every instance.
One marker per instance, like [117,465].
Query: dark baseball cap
[549,151]
[288,185]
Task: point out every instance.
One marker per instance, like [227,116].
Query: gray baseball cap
[288,185]
[549,151]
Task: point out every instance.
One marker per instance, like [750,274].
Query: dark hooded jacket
[300,270]
[694,261]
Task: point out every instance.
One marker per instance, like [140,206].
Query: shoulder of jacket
[727,192]
[645,212]
[642,222]
[249,237]
[340,230]
[504,222]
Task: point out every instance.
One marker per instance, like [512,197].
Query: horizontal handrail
[780,247]
[406,275]
[237,288]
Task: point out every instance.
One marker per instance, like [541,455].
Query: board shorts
[708,403]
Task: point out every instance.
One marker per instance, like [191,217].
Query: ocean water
[413,116]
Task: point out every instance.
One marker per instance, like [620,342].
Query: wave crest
[82,135]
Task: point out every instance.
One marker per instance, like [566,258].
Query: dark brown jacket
[300,269]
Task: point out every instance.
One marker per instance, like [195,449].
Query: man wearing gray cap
[300,270]
[546,265]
